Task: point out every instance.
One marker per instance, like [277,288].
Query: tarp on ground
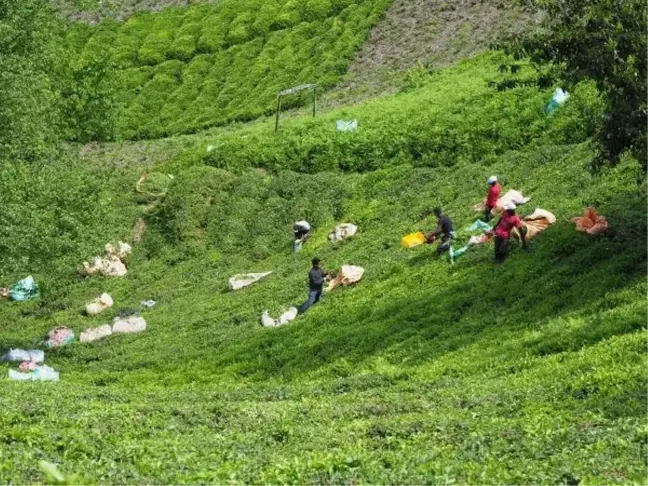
[512,196]
[110,265]
[342,231]
[25,289]
[59,336]
[245,279]
[591,222]
[348,275]
[95,333]
[535,223]
[128,325]
[288,316]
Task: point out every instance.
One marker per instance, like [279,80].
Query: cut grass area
[434,34]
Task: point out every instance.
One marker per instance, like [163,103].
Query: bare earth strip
[93,11]
[433,32]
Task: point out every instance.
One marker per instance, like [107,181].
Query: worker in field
[494,190]
[301,231]
[316,279]
[443,230]
[502,230]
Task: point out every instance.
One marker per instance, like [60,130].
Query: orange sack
[535,223]
[591,222]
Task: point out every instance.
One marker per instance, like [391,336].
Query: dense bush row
[184,69]
[54,215]
[453,117]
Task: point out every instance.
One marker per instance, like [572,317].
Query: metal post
[278,110]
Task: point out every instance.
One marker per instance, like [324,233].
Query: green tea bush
[183,47]
[453,117]
[212,208]
[422,373]
[31,63]
[269,46]
[50,214]
[529,372]
[155,48]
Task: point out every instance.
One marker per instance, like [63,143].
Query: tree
[605,41]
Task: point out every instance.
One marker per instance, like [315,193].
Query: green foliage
[89,107]
[531,372]
[29,85]
[607,44]
[423,373]
[255,50]
[453,117]
[56,477]
[53,88]
[51,212]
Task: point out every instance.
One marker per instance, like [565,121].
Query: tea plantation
[424,372]
[188,68]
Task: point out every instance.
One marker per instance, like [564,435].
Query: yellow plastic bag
[413,239]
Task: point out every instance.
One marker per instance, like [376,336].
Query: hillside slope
[434,34]
[185,69]
[424,372]
[529,372]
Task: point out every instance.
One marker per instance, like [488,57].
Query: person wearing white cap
[301,230]
[507,222]
[494,191]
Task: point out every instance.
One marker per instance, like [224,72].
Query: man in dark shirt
[444,230]
[316,280]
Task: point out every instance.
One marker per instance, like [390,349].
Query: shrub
[454,117]
[183,48]
[259,49]
[155,47]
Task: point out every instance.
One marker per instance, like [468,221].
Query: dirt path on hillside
[434,32]
[117,9]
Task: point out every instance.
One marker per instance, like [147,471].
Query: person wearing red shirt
[494,191]
[507,222]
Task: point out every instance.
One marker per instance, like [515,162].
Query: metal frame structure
[295,89]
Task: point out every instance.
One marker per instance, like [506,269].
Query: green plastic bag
[478,225]
[25,289]
[457,253]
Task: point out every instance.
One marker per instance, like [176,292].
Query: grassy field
[532,372]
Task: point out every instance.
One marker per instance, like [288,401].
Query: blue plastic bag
[558,99]
[25,289]
[478,225]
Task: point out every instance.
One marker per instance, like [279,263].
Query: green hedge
[254,48]
[453,117]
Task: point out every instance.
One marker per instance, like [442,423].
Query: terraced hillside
[185,69]
[424,372]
